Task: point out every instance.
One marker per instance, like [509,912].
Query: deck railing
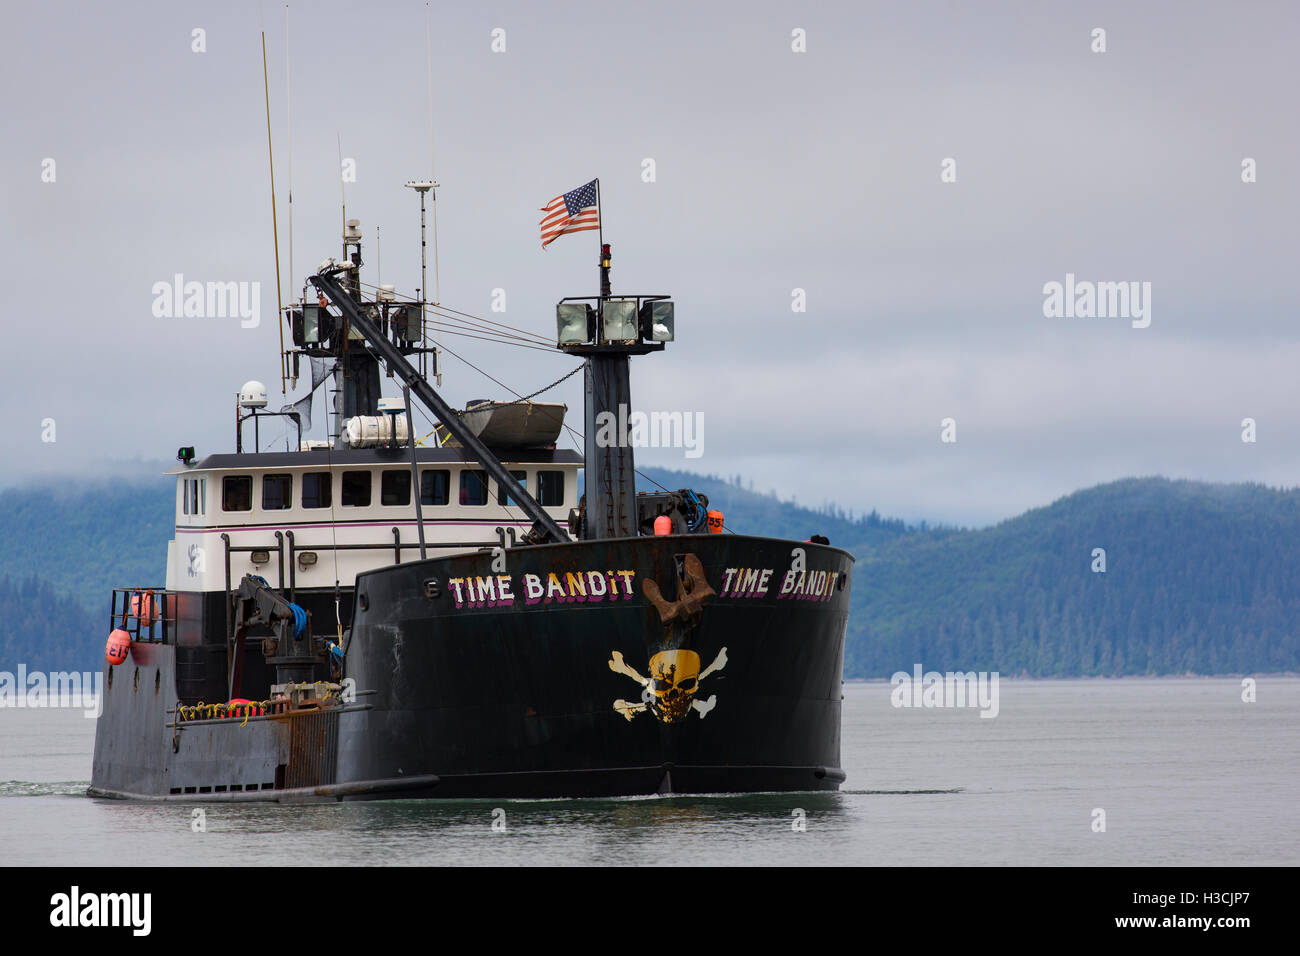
[147,614]
[287,546]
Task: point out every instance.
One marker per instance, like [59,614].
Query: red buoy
[715,521]
[243,707]
[144,609]
[663,525]
[119,645]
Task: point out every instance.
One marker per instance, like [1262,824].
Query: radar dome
[252,395]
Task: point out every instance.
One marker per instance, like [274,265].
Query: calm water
[1186,772]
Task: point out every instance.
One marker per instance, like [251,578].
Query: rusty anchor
[693,593]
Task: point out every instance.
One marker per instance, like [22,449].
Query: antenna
[340,388]
[275,227]
[423,186]
[343,195]
[288,126]
[437,284]
[428,56]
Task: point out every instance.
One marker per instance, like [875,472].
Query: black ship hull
[550,671]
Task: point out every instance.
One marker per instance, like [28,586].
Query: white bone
[617,665]
[704,706]
[718,664]
[628,710]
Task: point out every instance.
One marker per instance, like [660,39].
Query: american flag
[575,211]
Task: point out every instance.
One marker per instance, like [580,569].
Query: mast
[544,526]
[358,368]
[611,469]
[609,334]
[424,186]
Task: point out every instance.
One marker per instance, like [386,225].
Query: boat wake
[28,788]
[900,793]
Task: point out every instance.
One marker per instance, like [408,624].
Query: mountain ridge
[1198,577]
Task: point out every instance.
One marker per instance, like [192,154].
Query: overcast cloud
[775,171]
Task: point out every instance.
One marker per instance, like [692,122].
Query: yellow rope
[261,708]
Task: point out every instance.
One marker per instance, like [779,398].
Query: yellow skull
[674,679]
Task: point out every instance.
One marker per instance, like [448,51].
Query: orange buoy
[143,608]
[715,522]
[119,645]
[663,525]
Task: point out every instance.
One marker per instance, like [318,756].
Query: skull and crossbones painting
[670,691]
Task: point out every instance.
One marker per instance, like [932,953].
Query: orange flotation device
[119,645]
[242,707]
[144,609]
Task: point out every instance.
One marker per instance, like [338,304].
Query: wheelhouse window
[395,488]
[550,488]
[193,494]
[237,493]
[503,498]
[435,487]
[356,489]
[316,489]
[277,492]
[473,487]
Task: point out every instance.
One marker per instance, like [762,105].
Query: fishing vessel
[367,617]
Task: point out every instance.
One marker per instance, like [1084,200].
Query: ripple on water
[28,788]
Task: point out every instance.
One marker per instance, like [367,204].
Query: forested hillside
[1199,578]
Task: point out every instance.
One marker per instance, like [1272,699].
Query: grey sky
[775,170]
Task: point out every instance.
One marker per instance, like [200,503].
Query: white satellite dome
[252,395]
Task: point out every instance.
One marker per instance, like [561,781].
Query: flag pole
[600,237]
